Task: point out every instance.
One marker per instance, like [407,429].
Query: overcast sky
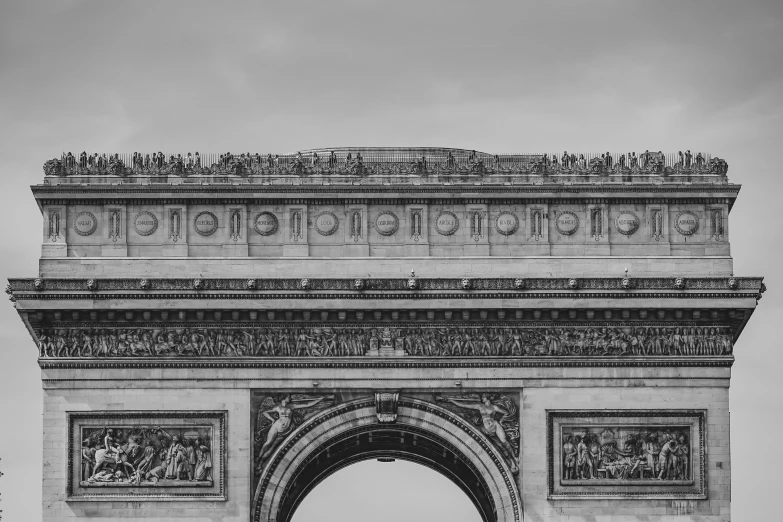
[495,76]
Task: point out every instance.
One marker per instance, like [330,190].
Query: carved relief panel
[146,455]
[626,454]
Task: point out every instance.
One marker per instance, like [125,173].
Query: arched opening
[388,442]
[423,433]
[385,492]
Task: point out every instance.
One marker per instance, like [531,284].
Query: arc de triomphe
[219,333]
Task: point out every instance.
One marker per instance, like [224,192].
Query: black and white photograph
[307,261]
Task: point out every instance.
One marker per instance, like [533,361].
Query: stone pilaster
[295,230]
[115,231]
[175,219]
[55,224]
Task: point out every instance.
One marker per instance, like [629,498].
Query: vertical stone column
[235,240]
[114,239]
[356,230]
[55,224]
[476,229]
[415,226]
[175,239]
[295,230]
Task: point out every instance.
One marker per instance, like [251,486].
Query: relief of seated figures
[626,454]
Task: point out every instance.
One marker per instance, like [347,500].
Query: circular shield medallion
[507,223]
[326,223]
[387,223]
[686,223]
[266,223]
[446,223]
[566,222]
[85,223]
[205,223]
[145,223]
[627,222]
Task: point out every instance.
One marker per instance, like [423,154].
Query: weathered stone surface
[472,311]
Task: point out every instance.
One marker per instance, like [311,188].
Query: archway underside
[387,441]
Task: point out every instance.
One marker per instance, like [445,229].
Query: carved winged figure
[495,415]
[278,417]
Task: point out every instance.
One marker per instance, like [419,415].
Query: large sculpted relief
[313,341]
[279,415]
[495,415]
[626,453]
[161,454]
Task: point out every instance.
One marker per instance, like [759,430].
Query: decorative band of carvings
[384,363]
[359,341]
[365,296]
[348,284]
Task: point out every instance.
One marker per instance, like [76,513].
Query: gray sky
[495,76]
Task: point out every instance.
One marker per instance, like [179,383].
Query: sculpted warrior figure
[501,430]
[275,420]
[569,459]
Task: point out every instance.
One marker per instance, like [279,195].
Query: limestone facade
[284,302]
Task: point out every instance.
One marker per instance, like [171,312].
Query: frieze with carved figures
[314,341]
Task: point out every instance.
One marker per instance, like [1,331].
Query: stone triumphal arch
[219,333]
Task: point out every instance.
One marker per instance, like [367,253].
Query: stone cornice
[138,288]
[389,362]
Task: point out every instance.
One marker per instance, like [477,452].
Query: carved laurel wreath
[325,232]
[393,229]
[206,232]
[447,232]
[633,229]
[154,223]
[566,232]
[271,217]
[513,229]
[683,231]
[85,232]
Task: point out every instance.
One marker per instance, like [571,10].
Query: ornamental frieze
[359,341]
[347,284]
